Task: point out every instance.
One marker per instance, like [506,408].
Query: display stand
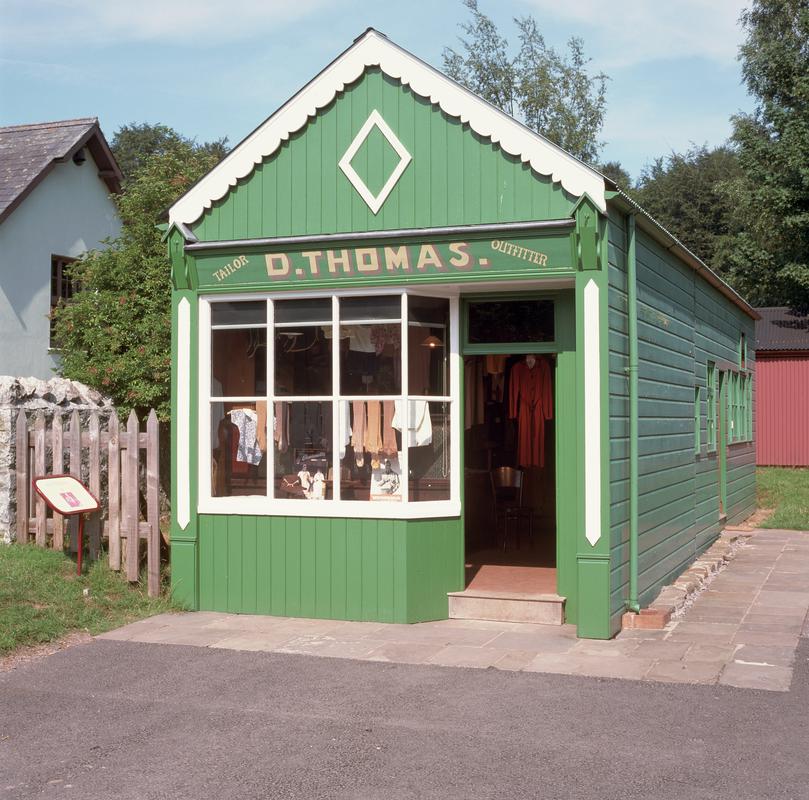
[68,496]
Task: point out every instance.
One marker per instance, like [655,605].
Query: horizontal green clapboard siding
[455,178]
[380,570]
[618,332]
[683,322]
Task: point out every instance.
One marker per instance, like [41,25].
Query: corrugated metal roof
[27,152]
[781,329]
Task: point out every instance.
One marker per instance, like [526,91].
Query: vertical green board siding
[682,323]
[455,178]
[381,570]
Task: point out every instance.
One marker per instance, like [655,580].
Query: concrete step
[501,606]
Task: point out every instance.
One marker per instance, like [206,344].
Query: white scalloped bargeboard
[544,157]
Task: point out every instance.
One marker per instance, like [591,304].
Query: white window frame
[264,505]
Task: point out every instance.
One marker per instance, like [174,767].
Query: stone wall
[35,396]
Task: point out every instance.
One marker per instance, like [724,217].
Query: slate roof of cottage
[29,152]
[781,329]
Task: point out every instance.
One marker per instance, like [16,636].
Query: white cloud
[630,33]
[162,21]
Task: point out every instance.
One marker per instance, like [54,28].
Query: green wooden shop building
[390,291]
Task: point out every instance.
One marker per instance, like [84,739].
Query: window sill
[256,505]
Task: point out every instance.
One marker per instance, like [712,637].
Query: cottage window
[712,391]
[61,287]
[330,405]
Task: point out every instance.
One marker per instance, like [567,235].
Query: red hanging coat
[531,403]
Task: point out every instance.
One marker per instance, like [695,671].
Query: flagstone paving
[741,631]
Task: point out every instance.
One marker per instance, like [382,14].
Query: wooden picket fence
[125,525]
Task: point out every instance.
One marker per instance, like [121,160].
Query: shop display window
[357,410]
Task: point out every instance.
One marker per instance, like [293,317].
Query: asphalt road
[122,720]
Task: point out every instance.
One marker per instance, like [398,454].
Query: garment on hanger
[384,334]
[358,431]
[248,451]
[389,446]
[261,424]
[474,392]
[496,370]
[281,426]
[345,427]
[373,429]
[419,426]
[531,403]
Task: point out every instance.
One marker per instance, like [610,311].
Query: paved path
[742,631]
[126,721]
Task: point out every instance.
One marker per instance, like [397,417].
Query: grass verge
[42,598]
[787,491]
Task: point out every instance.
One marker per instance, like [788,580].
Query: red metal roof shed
[782,388]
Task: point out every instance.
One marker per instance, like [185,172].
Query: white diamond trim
[374,202]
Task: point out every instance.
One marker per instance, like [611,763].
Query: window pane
[239,313]
[302,443]
[428,346]
[428,450]
[239,447]
[303,360]
[370,359]
[239,362]
[511,321]
[369,451]
[362,308]
[310,310]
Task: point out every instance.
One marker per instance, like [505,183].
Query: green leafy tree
[115,333]
[133,144]
[551,92]
[684,193]
[616,173]
[769,260]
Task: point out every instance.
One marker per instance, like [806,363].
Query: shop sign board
[446,261]
[65,494]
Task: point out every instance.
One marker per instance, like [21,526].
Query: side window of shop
[740,407]
[750,407]
[357,406]
[733,404]
[697,420]
[712,387]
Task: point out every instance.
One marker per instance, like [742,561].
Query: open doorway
[509,473]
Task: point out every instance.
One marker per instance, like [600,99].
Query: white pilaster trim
[183,412]
[592,413]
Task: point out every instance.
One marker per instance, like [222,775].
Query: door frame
[566,428]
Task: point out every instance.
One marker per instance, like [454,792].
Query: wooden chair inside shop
[510,513]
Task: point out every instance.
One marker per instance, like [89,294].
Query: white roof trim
[374,49]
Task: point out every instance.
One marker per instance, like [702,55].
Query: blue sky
[212,68]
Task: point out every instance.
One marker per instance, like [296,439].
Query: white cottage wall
[68,213]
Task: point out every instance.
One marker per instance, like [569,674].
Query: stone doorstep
[541,609]
[674,598]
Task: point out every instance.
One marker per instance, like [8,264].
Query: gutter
[632,369]
[193,245]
